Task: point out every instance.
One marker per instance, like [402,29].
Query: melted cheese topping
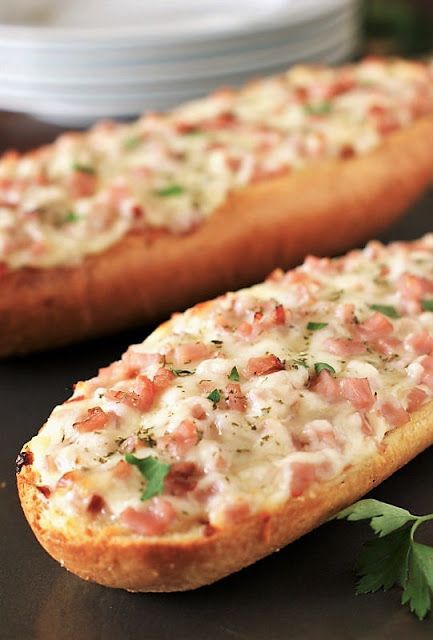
[84,192]
[250,399]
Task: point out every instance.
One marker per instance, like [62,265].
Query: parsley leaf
[71,216]
[214,396]
[318,108]
[234,375]
[315,326]
[154,472]
[394,558]
[301,362]
[83,168]
[181,373]
[419,585]
[320,366]
[131,143]
[171,190]
[427,305]
[386,309]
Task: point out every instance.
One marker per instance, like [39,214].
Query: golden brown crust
[324,209]
[184,562]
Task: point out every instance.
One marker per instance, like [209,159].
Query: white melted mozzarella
[362,317]
[85,192]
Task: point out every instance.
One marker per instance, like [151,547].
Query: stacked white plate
[74,61]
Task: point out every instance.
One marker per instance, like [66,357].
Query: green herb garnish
[323,366]
[215,397]
[394,558]
[318,108]
[172,190]
[315,326]
[83,168]
[234,375]
[71,216]
[153,471]
[386,309]
[301,362]
[427,305]
[182,372]
[131,143]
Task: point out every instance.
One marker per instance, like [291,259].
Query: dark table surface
[306,591]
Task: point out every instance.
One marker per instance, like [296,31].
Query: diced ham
[198,412]
[191,351]
[420,343]
[94,420]
[137,360]
[375,327]
[108,376]
[357,391]
[151,521]
[427,376]
[245,329]
[141,398]
[393,413]
[182,439]
[237,512]
[182,478]
[263,365]
[234,397]
[122,470]
[163,378]
[414,287]
[96,504]
[344,346]
[303,475]
[386,346]
[81,184]
[279,315]
[326,386]
[415,399]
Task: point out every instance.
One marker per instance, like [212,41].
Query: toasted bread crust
[323,209]
[180,562]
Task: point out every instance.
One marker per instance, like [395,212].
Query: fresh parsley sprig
[153,471]
[394,558]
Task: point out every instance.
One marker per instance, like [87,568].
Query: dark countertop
[306,591]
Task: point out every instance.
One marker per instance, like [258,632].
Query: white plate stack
[74,61]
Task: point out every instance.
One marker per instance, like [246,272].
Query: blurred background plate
[77,61]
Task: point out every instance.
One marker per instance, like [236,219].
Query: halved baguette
[325,209]
[183,562]
[349,437]
[323,206]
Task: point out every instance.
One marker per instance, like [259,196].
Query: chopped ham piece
[182,439]
[152,521]
[415,399]
[357,391]
[182,478]
[234,397]
[420,343]
[326,386]
[344,346]
[393,413]
[303,475]
[192,351]
[263,365]
[94,420]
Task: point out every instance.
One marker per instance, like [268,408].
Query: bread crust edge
[323,209]
[187,561]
